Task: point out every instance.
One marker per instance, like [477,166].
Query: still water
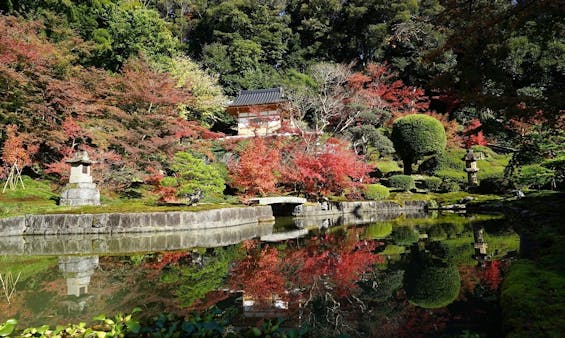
[424,276]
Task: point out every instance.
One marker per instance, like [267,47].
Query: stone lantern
[470,159]
[80,190]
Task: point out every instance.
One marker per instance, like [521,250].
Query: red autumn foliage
[269,165]
[332,261]
[492,275]
[14,150]
[165,259]
[128,121]
[472,135]
[257,170]
[333,168]
[325,264]
[376,88]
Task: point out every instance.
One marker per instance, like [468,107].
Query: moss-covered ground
[533,293]
[39,197]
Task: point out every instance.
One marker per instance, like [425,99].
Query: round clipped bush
[376,192]
[415,136]
[432,183]
[402,182]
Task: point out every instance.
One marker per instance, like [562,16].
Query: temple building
[259,112]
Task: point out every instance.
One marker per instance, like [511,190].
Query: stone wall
[362,207]
[59,224]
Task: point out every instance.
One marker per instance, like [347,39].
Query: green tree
[244,42]
[192,174]
[415,136]
[208,101]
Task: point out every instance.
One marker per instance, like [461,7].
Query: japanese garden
[282,168]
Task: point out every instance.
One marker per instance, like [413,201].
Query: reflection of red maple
[328,262]
[325,263]
[492,274]
[165,259]
[259,274]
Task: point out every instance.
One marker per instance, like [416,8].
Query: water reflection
[131,243]
[77,271]
[394,277]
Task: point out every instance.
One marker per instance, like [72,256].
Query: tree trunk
[407,166]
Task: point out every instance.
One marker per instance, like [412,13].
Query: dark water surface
[433,276]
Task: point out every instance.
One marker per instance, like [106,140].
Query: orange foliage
[15,150]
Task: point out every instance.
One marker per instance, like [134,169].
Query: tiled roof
[259,96]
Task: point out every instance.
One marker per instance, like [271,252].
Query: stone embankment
[59,224]
[339,213]
[362,207]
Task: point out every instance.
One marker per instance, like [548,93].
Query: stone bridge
[281,205]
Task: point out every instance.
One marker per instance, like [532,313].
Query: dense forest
[143,85]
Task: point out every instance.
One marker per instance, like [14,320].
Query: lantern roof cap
[81,157]
[470,156]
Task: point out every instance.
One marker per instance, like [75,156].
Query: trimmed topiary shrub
[402,182]
[432,183]
[376,192]
[415,136]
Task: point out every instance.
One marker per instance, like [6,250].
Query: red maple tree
[473,135]
[257,170]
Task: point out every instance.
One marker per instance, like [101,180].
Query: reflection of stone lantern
[77,271]
[470,159]
[80,190]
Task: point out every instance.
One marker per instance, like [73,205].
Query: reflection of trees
[431,280]
[405,235]
[378,230]
[325,272]
[205,273]
[433,286]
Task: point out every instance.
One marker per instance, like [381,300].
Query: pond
[404,276]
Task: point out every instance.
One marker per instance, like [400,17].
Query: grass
[38,197]
[387,166]
[532,300]
[492,165]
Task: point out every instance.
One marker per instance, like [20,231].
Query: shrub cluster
[450,186]
[402,182]
[376,192]
[432,183]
